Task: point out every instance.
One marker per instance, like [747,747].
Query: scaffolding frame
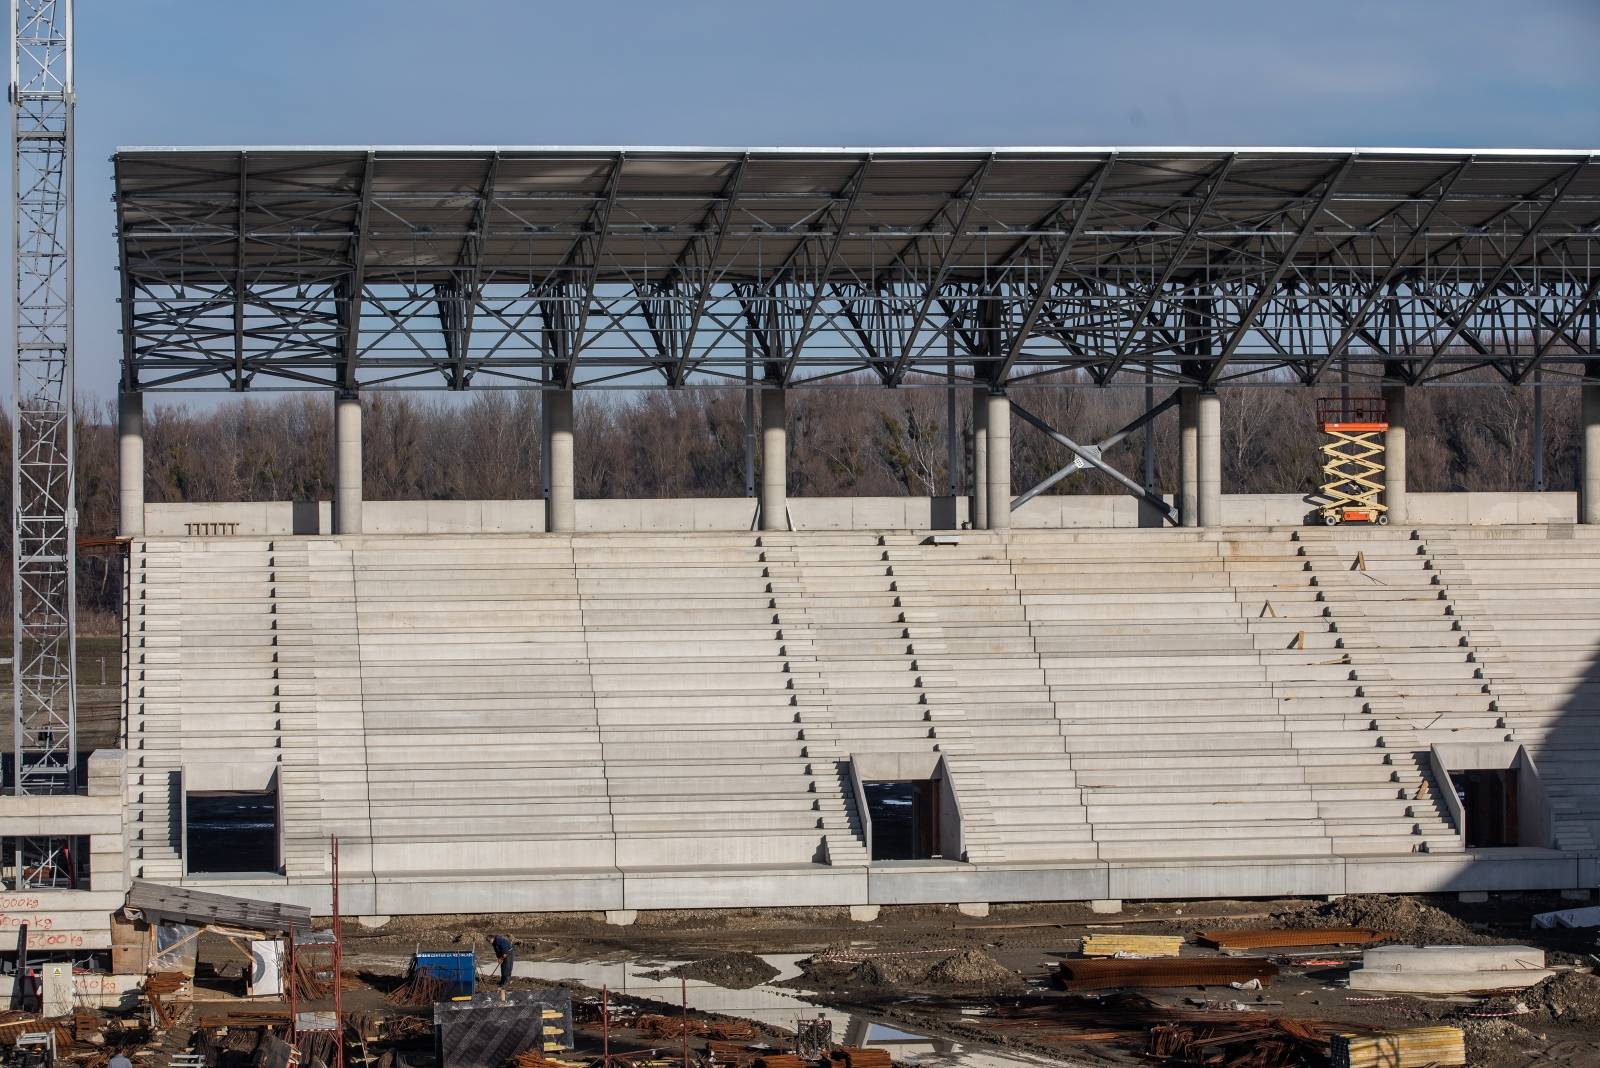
[44,515]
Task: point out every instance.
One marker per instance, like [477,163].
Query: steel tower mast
[44,515]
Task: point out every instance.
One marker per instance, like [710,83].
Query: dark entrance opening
[905,819]
[1489,801]
[230,831]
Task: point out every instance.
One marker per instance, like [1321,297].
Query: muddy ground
[934,971]
[99,664]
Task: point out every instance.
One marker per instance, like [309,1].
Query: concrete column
[1188,457]
[1589,486]
[774,459]
[978,506]
[1394,454]
[346,464]
[560,514]
[998,439]
[130,462]
[1208,433]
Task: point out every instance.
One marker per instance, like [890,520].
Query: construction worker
[119,1059]
[506,954]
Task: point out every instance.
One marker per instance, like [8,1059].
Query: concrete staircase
[1204,697]
[1524,601]
[203,684]
[695,675]
[862,687]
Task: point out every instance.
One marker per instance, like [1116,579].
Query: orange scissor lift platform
[1352,459]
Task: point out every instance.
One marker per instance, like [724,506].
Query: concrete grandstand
[639,720]
[987,696]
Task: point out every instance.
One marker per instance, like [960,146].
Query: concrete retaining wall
[808,513]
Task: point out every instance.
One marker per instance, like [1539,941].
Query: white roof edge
[889,150]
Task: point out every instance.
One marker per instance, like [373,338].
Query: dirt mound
[1571,997]
[1410,919]
[971,967]
[967,969]
[1489,1041]
[735,971]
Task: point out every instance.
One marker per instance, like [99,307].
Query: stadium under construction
[998,694]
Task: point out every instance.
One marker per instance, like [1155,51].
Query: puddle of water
[778,1007]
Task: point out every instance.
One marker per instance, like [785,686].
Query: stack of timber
[1132,945]
[860,1057]
[1415,1047]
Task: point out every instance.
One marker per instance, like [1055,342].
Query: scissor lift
[1352,460]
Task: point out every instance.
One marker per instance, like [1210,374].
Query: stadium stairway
[1140,630]
[202,631]
[697,678]
[1524,601]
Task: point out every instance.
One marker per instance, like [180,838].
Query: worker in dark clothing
[506,954]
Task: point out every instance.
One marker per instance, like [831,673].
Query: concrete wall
[812,513]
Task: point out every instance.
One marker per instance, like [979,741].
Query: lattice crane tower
[44,516]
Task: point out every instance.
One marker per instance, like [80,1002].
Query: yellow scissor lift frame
[1352,460]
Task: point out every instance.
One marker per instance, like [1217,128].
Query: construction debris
[1248,938]
[418,991]
[1584,917]
[1417,1047]
[1199,971]
[1131,945]
[659,1026]
[1255,1043]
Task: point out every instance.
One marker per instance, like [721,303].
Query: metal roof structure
[359,268]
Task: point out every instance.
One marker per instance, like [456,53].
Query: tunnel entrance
[1489,801]
[905,819]
[231,831]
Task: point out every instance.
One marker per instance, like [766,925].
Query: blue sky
[1441,73]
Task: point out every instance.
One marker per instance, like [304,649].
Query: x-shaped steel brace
[1087,456]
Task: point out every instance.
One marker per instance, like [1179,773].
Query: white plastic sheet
[266,968]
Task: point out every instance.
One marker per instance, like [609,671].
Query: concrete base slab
[621,917]
[1445,982]
[977,909]
[864,913]
[1105,906]
[372,923]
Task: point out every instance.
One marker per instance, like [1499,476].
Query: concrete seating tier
[653,702]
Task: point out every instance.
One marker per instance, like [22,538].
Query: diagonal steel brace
[1087,456]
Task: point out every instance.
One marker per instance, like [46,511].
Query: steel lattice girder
[44,517]
[455,268]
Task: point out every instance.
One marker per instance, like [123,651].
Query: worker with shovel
[506,954]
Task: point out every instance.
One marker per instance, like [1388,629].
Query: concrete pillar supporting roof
[774,459]
[560,513]
[346,464]
[130,463]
